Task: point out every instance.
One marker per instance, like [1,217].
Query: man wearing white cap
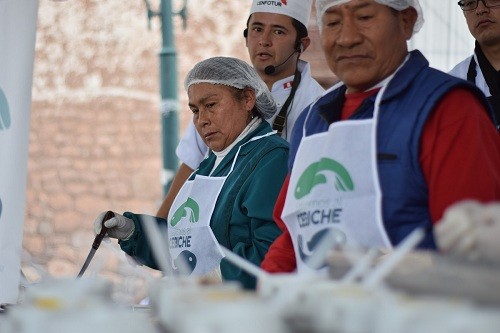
[386,150]
[276,35]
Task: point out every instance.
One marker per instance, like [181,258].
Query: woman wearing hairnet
[229,199]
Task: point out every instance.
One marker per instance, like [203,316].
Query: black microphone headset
[299,48]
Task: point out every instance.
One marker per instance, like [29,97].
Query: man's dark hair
[300,28]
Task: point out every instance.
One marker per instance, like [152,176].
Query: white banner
[17,48]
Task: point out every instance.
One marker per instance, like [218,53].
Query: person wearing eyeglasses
[483,67]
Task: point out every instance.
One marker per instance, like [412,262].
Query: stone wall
[95,125]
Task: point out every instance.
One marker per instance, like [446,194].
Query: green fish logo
[4,112]
[313,176]
[191,207]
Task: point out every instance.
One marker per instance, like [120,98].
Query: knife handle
[99,237]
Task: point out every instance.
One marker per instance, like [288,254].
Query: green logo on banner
[189,207]
[313,175]
[4,112]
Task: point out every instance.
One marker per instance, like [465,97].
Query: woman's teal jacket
[243,216]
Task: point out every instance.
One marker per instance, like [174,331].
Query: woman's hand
[119,227]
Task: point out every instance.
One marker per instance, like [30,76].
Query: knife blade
[97,241]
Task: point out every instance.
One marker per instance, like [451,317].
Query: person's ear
[408,18]
[305,42]
[245,35]
[249,98]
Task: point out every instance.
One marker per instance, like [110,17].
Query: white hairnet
[235,73]
[323,5]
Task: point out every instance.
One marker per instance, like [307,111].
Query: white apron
[192,243]
[334,188]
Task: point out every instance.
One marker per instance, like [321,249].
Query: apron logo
[189,207]
[4,112]
[313,175]
[187,260]
[339,238]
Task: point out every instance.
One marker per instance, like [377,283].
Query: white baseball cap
[323,5]
[297,9]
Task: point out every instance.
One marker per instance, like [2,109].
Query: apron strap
[493,100]
[238,152]
[471,72]
[280,120]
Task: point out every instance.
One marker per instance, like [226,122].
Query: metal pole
[169,99]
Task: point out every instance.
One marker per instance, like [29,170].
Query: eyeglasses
[467,5]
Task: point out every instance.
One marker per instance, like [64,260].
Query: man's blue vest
[411,96]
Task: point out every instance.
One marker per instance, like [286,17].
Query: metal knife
[97,241]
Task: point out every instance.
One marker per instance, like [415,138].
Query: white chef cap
[235,73]
[323,5]
[297,9]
